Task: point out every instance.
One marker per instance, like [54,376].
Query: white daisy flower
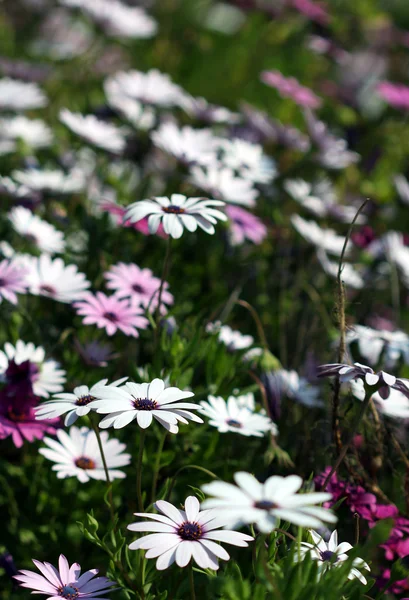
[7,147]
[177,213]
[11,188]
[77,454]
[51,181]
[299,389]
[266,503]
[20,95]
[120,20]
[402,187]
[372,342]
[395,407]
[54,279]
[153,87]
[139,115]
[201,109]
[188,145]
[46,376]
[332,554]
[349,275]
[142,402]
[99,133]
[234,340]
[41,233]
[34,132]
[74,405]
[326,239]
[223,183]
[180,535]
[248,160]
[231,416]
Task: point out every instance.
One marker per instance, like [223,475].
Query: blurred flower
[234,340]
[264,504]
[56,182]
[223,183]
[243,225]
[118,213]
[332,554]
[33,132]
[12,281]
[41,233]
[7,563]
[141,116]
[247,160]
[74,404]
[188,145]
[349,275]
[13,189]
[201,109]
[99,133]
[231,416]
[181,535]
[396,406]
[395,94]
[291,88]
[402,187]
[363,236]
[177,213]
[153,87]
[142,402]
[130,281]
[299,389]
[77,454]
[312,10]
[95,354]
[111,313]
[62,37]
[19,95]
[52,278]
[327,239]
[120,20]
[373,343]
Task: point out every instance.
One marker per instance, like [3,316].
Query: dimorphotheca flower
[152,87]
[221,182]
[143,402]
[234,340]
[66,582]
[41,233]
[177,213]
[77,454]
[188,145]
[20,95]
[180,535]
[12,281]
[263,504]
[245,226]
[233,416]
[99,133]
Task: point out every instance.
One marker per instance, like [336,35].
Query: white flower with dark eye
[298,388]
[42,234]
[188,145]
[51,181]
[326,239]
[177,213]
[143,402]
[52,278]
[33,132]
[349,275]
[74,404]
[331,554]
[180,535]
[248,160]
[231,416]
[20,95]
[223,183]
[266,503]
[153,87]
[234,340]
[77,454]
[372,342]
[120,20]
[45,375]
[99,133]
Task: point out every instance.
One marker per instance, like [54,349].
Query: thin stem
[139,471]
[104,462]
[197,467]
[157,466]
[192,583]
[256,318]
[286,533]
[350,440]
[356,517]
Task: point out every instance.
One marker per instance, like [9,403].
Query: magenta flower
[66,582]
[12,281]
[111,313]
[244,225]
[312,11]
[395,94]
[129,281]
[291,88]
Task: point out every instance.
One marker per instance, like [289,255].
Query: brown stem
[256,318]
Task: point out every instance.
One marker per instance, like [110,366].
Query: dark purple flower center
[234,423]
[68,591]
[2,282]
[265,505]
[84,400]
[329,556]
[190,531]
[83,462]
[110,316]
[144,404]
[19,414]
[48,289]
[18,374]
[173,209]
[137,288]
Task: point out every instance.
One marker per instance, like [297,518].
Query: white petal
[192,508]
[184,553]
[144,418]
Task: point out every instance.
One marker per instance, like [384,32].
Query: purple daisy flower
[12,281]
[244,225]
[66,582]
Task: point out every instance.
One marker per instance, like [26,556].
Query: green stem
[104,462]
[139,471]
[157,466]
[350,440]
[192,584]
[165,271]
[188,467]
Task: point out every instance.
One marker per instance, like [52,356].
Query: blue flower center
[234,423]
[329,556]
[265,505]
[144,404]
[173,209]
[68,591]
[83,462]
[190,531]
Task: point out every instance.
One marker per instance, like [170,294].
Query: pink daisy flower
[312,11]
[395,94]
[111,313]
[291,88]
[12,281]
[66,582]
[129,281]
[244,225]
[118,212]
